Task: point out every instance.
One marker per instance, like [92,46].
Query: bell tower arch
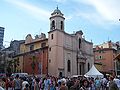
[57,20]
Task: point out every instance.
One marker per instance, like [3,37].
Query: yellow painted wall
[25,47]
[22,48]
[37,45]
[20,67]
[21,63]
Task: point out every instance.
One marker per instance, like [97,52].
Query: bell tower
[56,43]
[57,20]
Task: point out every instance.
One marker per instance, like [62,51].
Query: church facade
[68,54]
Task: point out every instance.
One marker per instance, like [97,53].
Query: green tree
[33,63]
[16,64]
[10,66]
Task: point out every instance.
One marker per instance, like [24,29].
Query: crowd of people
[61,83]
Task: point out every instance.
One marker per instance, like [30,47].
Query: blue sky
[98,19]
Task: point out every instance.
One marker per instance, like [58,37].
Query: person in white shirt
[47,82]
[117,81]
[1,88]
[24,83]
[104,82]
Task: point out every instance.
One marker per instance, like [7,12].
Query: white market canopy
[93,72]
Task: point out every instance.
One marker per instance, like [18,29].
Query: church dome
[57,11]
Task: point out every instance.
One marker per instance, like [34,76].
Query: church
[61,54]
[68,54]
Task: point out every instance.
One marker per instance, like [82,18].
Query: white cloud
[68,17]
[60,1]
[92,18]
[108,10]
[37,12]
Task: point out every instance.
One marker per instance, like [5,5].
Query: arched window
[88,66]
[79,43]
[53,24]
[68,66]
[51,36]
[60,74]
[61,25]
[31,47]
